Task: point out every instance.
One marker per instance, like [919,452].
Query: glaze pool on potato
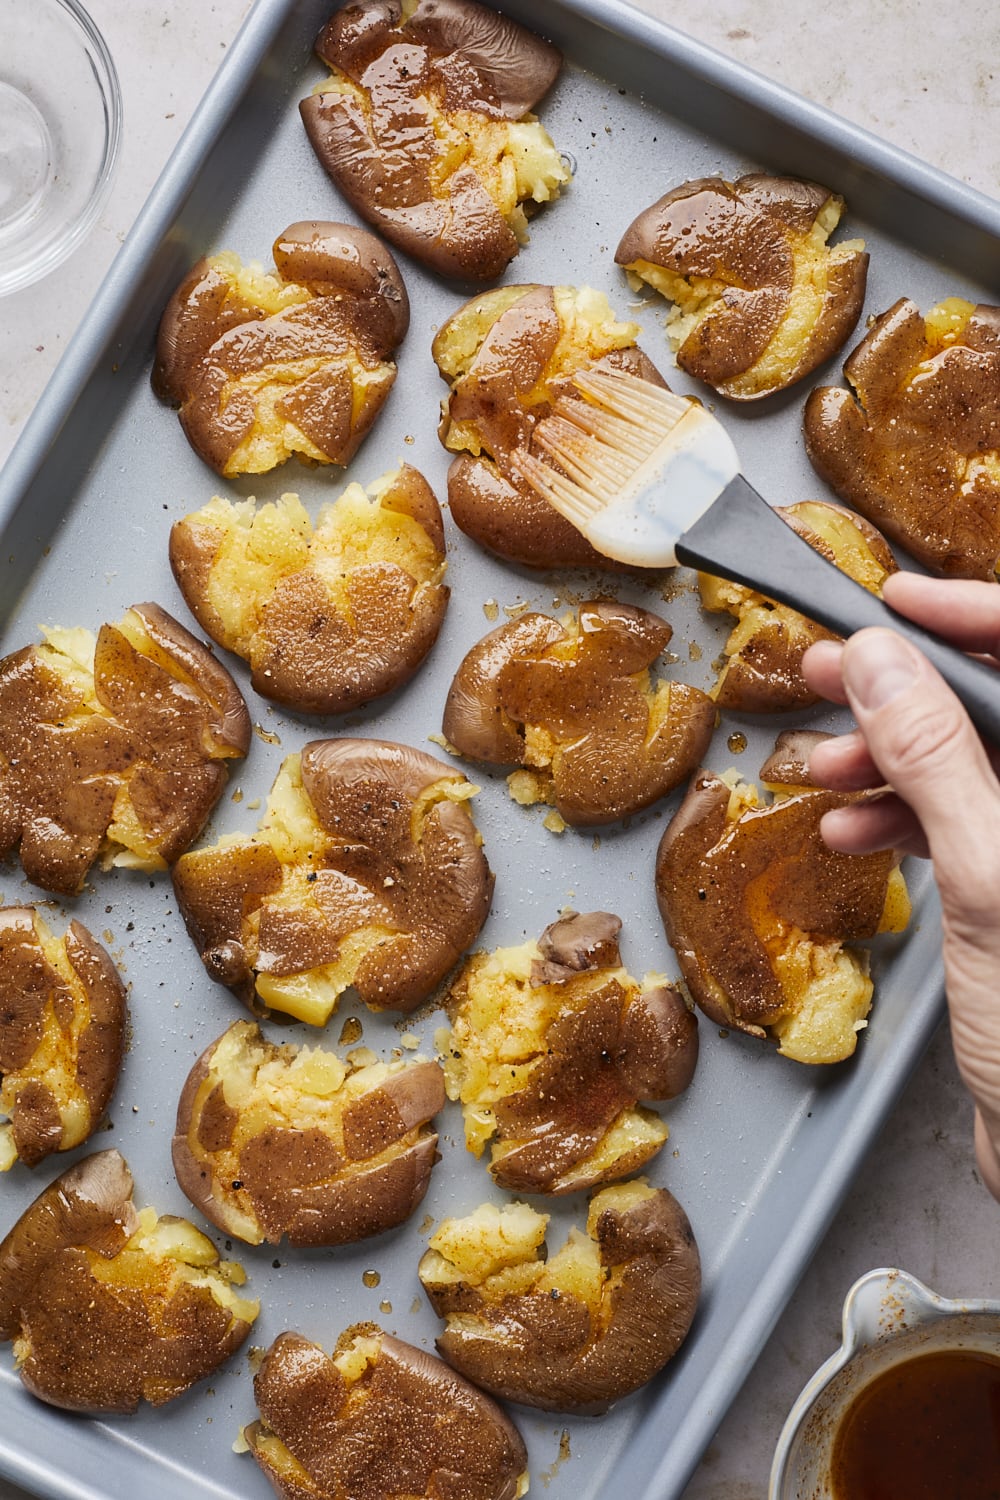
[63,1019]
[262,367]
[915,444]
[758,909]
[275,1140]
[425,126]
[574,705]
[115,749]
[327,617]
[581,1328]
[761,299]
[366,870]
[550,1047]
[378,1420]
[508,355]
[108,1305]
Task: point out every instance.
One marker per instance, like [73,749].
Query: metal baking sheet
[761,1150]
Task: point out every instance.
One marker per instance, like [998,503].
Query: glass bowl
[60,133]
[889,1317]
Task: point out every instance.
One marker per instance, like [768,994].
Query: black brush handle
[741,538]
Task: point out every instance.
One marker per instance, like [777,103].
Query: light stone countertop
[921,75]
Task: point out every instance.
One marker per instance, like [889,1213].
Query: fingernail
[878,667]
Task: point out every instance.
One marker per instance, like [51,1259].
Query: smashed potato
[762,671]
[273,1141]
[366,870]
[760,299]
[63,1017]
[580,1329]
[379,1420]
[915,444]
[114,749]
[551,1045]
[573,705]
[508,355]
[109,1306]
[327,618]
[266,366]
[424,126]
[758,910]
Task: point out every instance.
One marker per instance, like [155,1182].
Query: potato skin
[611,758]
[216,343]
[706,868]
[163,732]
[420,1431]
[487,498]
[94,1345]
[905,445]
[556,1353]
[433,895]
[746,234]
[293,1178]
[304,652]
[92,1031]
[765,674]
[382,158]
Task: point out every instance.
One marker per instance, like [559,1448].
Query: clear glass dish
[60,133]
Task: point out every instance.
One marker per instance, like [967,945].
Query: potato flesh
[588,330]
[498,1036]
[261,545]
[164,1254]
[695,298]
[273,437]
[500,1253]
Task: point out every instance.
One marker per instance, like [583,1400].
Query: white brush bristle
[600,442]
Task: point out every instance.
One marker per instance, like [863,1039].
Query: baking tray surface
[760,1150]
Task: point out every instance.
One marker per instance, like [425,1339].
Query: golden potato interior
[695,297]
[274,1140]
[63,1015]
[264,366]
[586,329]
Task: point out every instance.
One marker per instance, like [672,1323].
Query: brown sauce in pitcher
[925,1429]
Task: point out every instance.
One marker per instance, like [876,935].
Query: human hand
[914,737]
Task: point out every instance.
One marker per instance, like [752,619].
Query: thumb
[926,747]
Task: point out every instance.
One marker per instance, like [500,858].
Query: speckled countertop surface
[921,75]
